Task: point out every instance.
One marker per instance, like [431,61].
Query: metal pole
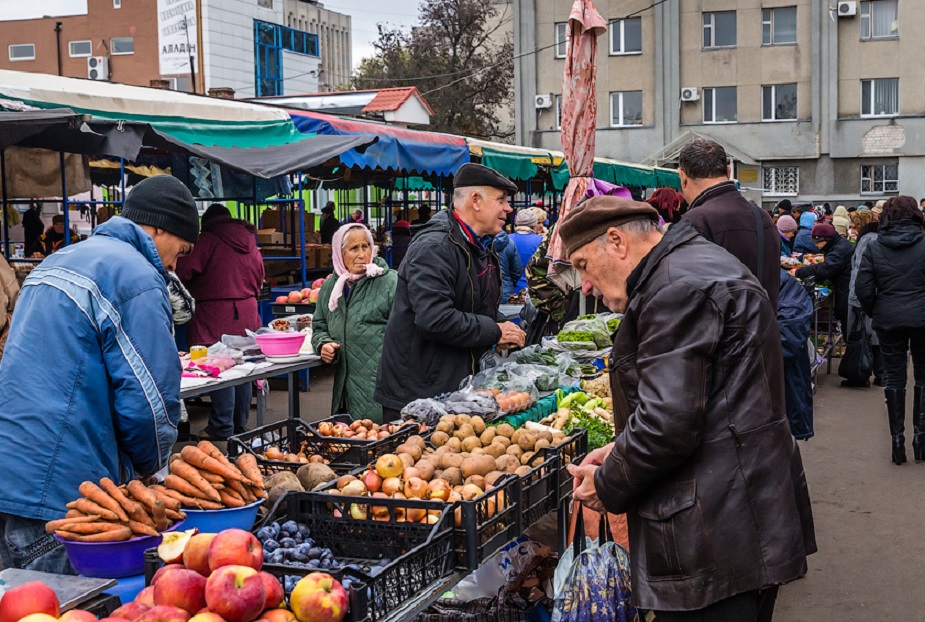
[121,183]
[6,222]
[58,41]
[64,203]
[300,204]
[189,50]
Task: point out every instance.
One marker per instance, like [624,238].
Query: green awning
[560,176]
[413,183]
[518,166]
[624,175]
[668,178]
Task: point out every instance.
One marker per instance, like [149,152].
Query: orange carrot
[96,494]
[248,465]
[141,529]
[241,490]
[54,525]
[183,486]
[193,502]
[159,514]
[181,469]
[89,507]
[169,502]
[212,478]
[140,515]
[199,459]
[116,535]
[116,493]
[210,449]
[141,493]
[87,529]
[74,514]
[231,501]
[175,515]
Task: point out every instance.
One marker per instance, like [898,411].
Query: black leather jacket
[705,467]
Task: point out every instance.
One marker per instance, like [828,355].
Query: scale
[72,591]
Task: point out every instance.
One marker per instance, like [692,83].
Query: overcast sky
[366,14]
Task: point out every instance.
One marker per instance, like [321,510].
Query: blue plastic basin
[112,560]
[213,521]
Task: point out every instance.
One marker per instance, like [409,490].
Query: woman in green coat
[348,327]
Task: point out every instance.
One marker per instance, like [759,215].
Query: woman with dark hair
[891,288]
[668,202]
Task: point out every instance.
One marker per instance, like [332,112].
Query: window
[879,178]
[719,105]
[626,36]
[779,102]
[117,4]
[625,108]
[121,45]
[561,39]
[719,29]
[779,26]
[558,112]
[880,98]
[270,42]
[22,51]
[80,49]
[782,181]
[879,20]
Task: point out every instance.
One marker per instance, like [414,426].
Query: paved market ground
[870,514]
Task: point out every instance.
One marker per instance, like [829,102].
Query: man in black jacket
[329,224]
[722,215]
[445,314]
[836,268]
[703,464]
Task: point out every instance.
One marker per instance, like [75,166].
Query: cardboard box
[270,236]
[313,238]
[277,219]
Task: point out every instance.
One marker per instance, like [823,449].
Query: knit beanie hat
[786,224]
[824,231]
[164,202]
[593,217]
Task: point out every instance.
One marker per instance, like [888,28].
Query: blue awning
[398,149]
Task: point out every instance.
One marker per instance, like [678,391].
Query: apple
[276,597]
[82,615]
[163,613]
[207,616]
[317,283]
[172,545]
[278,615]
[235,547]
[318,597]
[185,589]
[237,593]
[129,611]
[29,598]
[114,620]
[39,617]
[281,300]
[305,292]
[162,571]
[196,553]
[146,596]
[294,298]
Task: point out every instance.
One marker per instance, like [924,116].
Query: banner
[176,32]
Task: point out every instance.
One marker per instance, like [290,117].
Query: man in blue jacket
[95,320]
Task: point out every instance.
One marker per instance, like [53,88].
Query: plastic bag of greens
[536,355]
[592,330]
[545,378]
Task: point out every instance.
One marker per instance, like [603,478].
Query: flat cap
[824,231]
[525,218]
[592,218]
[470,175]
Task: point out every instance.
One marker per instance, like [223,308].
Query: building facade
[334,40]
[815,100]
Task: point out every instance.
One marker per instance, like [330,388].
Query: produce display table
[261,372]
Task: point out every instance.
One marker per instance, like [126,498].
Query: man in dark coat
[445,315]
[722,215]
[836,268]
[329,224]
[32,227]
[704,464]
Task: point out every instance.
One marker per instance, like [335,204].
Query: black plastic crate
[357,452]
[421,553]
[572,451]
[539,489]
[289,435]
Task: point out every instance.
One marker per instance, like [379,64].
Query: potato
[464,431]
[541,443]
[515,450]
[478,451]
[487,437]
[522,470]
[412,450]
[278,478]
[493,477]
[426,469]
[527,441]
[505,429]
[541,434]
[515,437]
[495,450]
[557,438]
[446,426]
[419,441]
[453,476]
[507,463]
[461,419]
[471,443]
[281,488]
[438,474]
[476,480]
[454,445]
[525,458]
[449,460]
[478,424]
[503,440]
[478,465]
[310,475]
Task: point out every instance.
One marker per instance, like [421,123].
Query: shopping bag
[858,361]
[598,584]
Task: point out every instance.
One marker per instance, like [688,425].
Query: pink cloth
[340,268]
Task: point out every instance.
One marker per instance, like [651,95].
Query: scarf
[344,275]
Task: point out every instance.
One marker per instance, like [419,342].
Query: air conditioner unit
[690,94]
[98,68]
[542,102]
[847,8]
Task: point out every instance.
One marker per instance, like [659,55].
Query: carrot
[248,465]
[169,502]
[181,469]
[175,515]
[89,507]
[229,501]
[96,494]
[54,525]
[141,493]
[210,449]
[140,515]
[159,514]
[87,529]
[241,491]
[182,485]
[141,529]
[74,514]
[199,459]
[116,535]
[212,478]
[116,493]
[192,502]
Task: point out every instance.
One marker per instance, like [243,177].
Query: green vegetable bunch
[575,336]
[600,433]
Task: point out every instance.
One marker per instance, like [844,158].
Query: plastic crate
[421,553]
[288,435]
[539,489]
[357,452]
[572,451]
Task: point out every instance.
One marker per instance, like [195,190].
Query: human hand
[511,335]
[329,351]
[585,492]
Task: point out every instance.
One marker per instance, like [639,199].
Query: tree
[460,56]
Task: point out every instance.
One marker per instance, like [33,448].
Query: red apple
[163,613]
[317,283]
[172,545]
[235,547]
[39,617]
[162,571]
[278,615]
[146,596]
[294,297]
[185,589]
[236,593]
[275,594]
[305,292]
[196,553]
[313,295]
[281,300]
[113,619]
[28,598]
[207,616]
[81,615]
[129,611]
[318,597]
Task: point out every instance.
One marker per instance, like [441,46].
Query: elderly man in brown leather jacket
[703,464]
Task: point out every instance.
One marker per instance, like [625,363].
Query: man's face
[170,248]
[490,212]
[820,243]
[605,267]
[58,227]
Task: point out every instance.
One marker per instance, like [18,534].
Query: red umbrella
[579,109]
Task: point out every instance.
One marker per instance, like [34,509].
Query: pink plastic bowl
[280,344]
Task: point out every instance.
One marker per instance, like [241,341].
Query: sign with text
[176,34]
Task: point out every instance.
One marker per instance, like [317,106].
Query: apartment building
[334,40]
[814,100]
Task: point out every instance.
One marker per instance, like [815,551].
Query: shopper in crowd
[794,318]
[9,293]
[891,288]
[922,204]
[836,268]
[51,240]
[527,240]
[722,215]
[803,242]
[401,240]
[668,202]
[783,207]
[865,222]
[449,288]
[509,263]
[329,223]
[423,215]
[32,227]
[115,394]
[356,216]
[348,329]
[541,218]
[224,274]
[787,227]
[700,548]
[841,221]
